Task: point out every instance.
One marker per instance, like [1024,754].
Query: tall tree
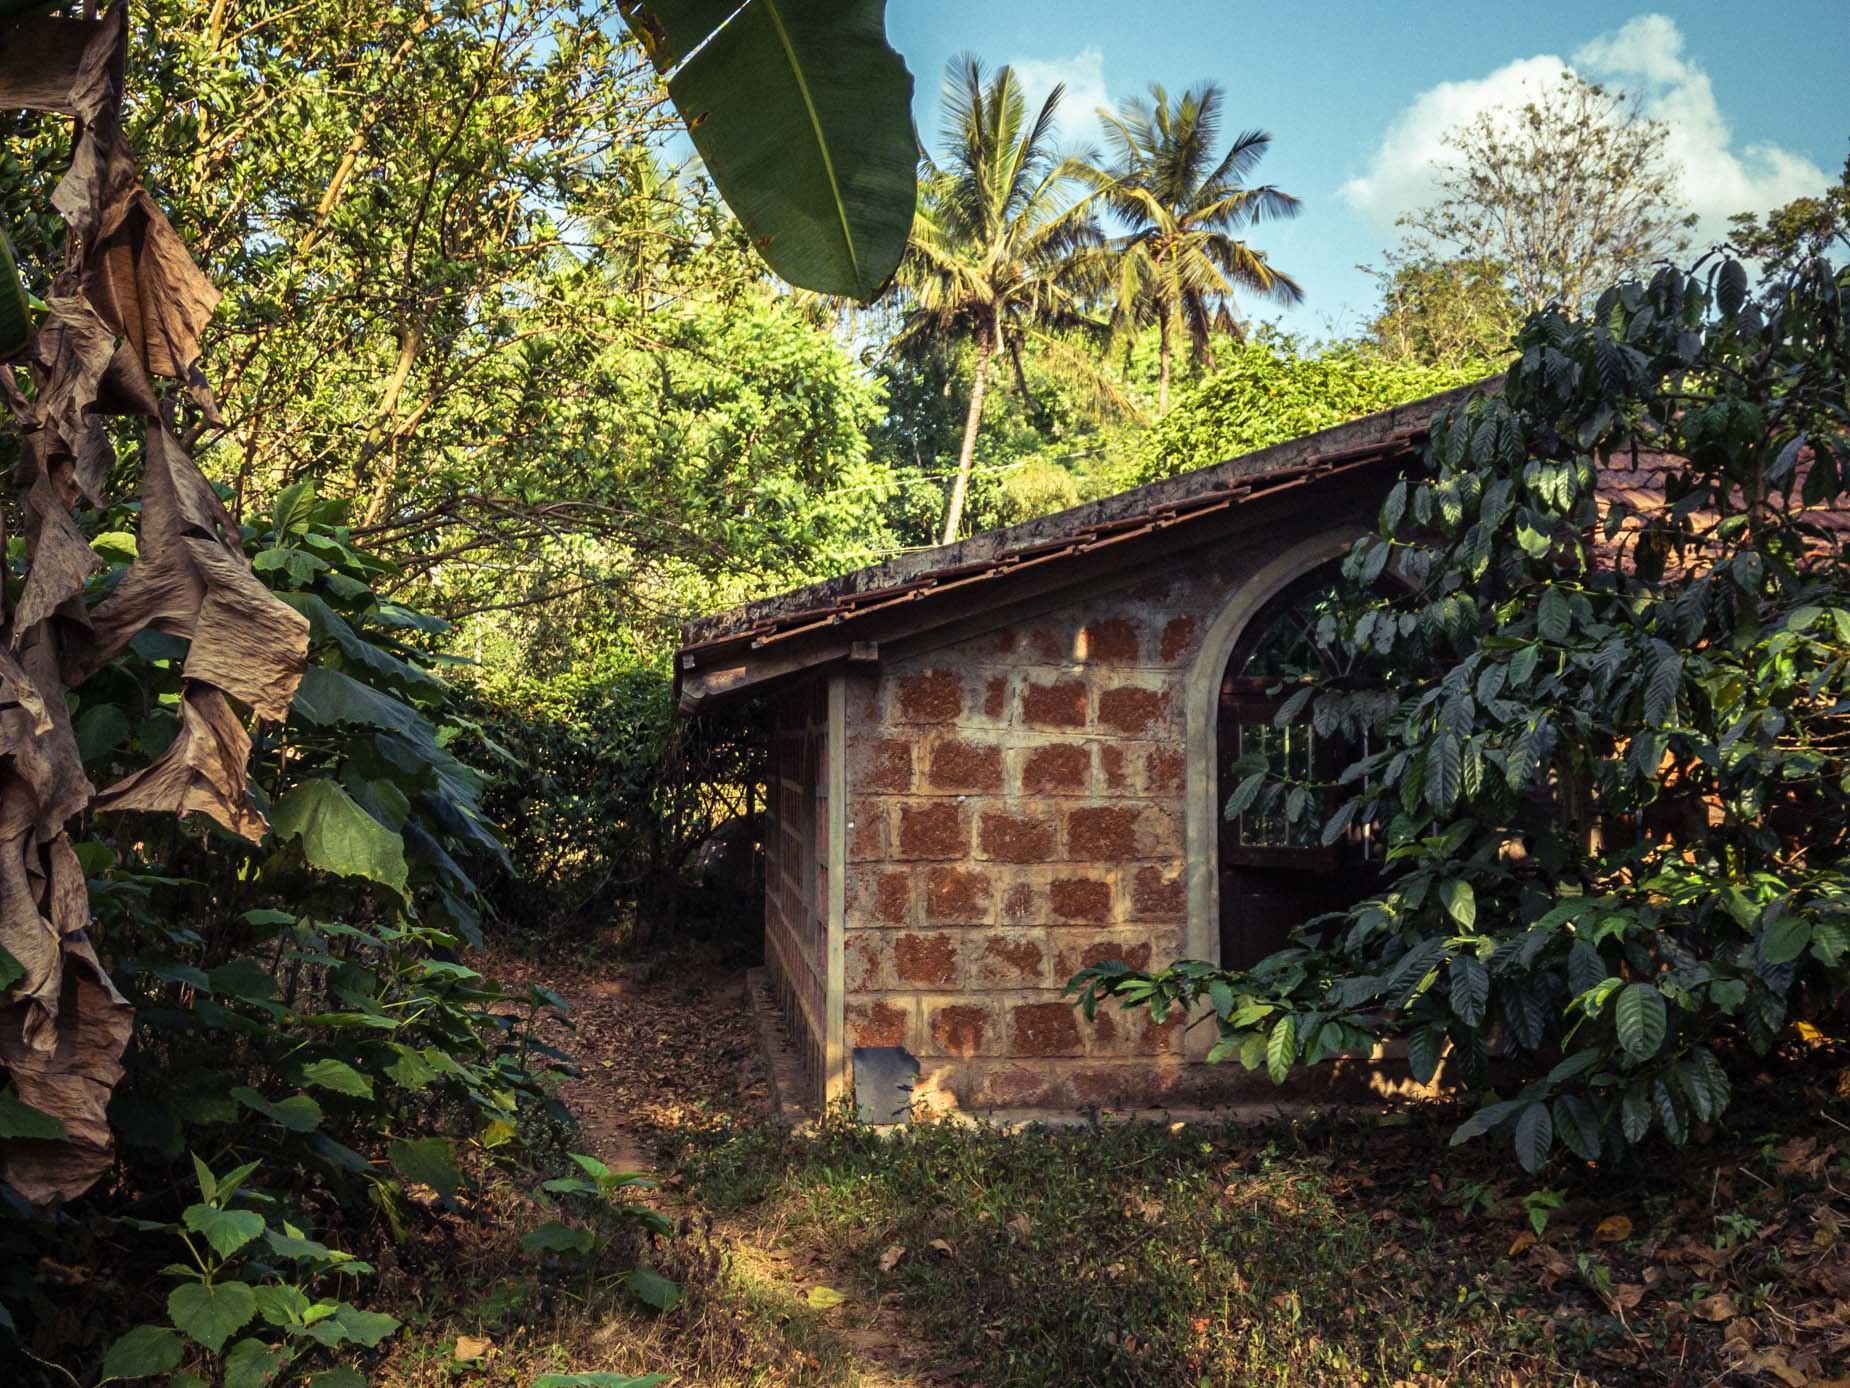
[1438,312]
[1181,259]
[1804,229]
[993,259]
[1569,192]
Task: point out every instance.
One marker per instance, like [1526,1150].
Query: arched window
[1275,875]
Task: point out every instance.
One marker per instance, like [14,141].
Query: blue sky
[1356,94]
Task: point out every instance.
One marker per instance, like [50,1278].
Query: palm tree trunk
[954,513]
[1162,363]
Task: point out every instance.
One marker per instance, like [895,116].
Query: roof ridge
[1356,438]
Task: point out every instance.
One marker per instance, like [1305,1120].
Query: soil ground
[1373,1252]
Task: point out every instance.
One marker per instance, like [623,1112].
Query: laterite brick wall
[796,902]
[1015,814]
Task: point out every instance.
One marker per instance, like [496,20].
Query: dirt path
[671,1049]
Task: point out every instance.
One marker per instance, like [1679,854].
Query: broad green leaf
[1244,794]
[211,1312]
[100,730]
[802,114]
[338,836]
[1535,1135]
[283,1305]
[1785,939]
[1553,615]
[20,1120]
[11,971]
[599,1380]
[15,307]
[1444,771]
[226,1230]
[143,1352]
[341,1377]
[1641,1020]
[1522,665]
[325,625]
[243,978]
[824,1298]
[1424,1045]
[1577,1126]
[295,504]
[1281,1049]
[338,1076]
[1484,1120]
[555,1237]
[429,1161]
[652,1289]
[1460,901]
[253,1364]
[298,1113]
[366,1328]
[1470,990]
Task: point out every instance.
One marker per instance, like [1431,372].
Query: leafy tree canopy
[1568,192]
[1269,390]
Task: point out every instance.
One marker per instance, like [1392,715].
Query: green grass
[1139,1255]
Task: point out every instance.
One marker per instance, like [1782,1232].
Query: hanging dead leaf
[192,580]
[203,771]
[68,1075]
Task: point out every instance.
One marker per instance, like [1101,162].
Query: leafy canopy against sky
[1359,96]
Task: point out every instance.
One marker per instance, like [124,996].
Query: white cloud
[1400,176]
[1083,74]
[1645,55]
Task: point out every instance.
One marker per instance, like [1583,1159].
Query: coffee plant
[1614,773]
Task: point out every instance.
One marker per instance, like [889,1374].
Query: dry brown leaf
[39,58]
[71,1079]
[1612,1229]
[1522,1243]
[192,580]
[470,1348]
[1771,1361]
[890,1259]
[1716,1307]
[1626,1295]
[147,287]
[203,771]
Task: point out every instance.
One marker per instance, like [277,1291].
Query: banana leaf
[802,113]
[15,303]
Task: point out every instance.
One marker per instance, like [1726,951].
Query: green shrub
[1267,392]
[302,1011]
[602,793]
[1613,776]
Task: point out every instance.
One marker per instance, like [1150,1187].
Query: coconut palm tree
[1181,259]
[993,258]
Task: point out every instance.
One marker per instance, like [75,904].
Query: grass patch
[1330,1252]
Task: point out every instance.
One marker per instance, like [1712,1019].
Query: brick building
[998,761]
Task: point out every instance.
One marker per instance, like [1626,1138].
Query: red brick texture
[1022,796]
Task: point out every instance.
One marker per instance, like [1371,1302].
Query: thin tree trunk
[1162,363]
[954,513]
